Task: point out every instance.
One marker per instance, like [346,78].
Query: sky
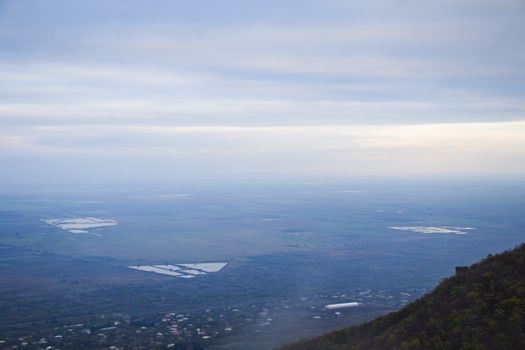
[151,91]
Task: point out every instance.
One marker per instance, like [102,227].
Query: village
[197,329]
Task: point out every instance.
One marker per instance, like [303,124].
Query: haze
[130,90]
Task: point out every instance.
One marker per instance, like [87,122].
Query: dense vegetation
[482,309]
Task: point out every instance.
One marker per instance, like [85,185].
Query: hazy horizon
[106,91]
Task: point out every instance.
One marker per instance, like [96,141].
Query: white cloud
[343,88]
[422,141]
[74,94]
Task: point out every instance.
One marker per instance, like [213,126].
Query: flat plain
[289,250]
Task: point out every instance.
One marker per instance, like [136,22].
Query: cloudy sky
[141,90]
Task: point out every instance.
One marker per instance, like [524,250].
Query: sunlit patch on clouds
[340,89]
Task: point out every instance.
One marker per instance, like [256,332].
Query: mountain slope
[482,307]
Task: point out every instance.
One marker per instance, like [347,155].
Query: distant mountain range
[481,307]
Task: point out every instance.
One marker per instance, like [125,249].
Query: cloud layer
[297,87]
